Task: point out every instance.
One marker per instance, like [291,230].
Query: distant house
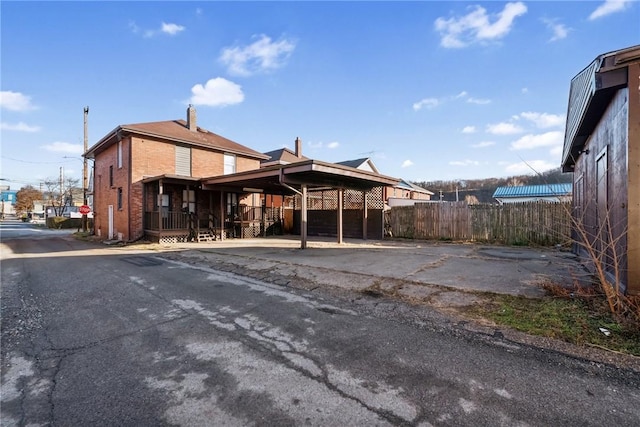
[365,164]
[8,201]
[284,156]
[406,193]
[402,194]
[602,149]
[534,193]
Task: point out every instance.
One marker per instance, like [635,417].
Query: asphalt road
[95,335]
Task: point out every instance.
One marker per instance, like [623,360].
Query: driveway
[413,269]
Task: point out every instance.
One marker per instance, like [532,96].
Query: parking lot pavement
[411,268]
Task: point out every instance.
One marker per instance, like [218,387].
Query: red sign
[84,209]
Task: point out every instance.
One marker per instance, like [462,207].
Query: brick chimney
[191,119]
[298,147]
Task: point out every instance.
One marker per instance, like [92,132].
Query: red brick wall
[246,164]
[106,194]
[145,157]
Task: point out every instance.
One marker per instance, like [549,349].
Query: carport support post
[340,206]
[303,219]
[365,215]
[221,215]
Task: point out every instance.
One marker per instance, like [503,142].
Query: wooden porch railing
[169,220]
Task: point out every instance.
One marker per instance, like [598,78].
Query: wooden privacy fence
[538,223]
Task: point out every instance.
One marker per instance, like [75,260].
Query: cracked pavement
[95,335]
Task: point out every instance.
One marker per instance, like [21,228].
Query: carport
[299,178]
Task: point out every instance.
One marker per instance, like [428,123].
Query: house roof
[359,163]
[406,185]
[287,179]
[549,190]
[590,93]
[282,156]
[178,132]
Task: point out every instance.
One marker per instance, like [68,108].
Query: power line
[30,161]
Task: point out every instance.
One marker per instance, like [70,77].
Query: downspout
[303,216]
[281,182]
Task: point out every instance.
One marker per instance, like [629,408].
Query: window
[229,164]
[111,176]
[183,160]
[119,154]
[119,198]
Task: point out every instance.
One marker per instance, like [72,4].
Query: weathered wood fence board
[537,223]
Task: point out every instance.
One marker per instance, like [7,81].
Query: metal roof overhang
[288,179]
[607,84]
[595,86]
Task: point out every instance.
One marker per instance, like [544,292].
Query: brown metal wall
[610,139]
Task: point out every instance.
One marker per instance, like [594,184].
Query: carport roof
[287,179]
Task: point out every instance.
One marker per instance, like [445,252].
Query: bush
[61,222]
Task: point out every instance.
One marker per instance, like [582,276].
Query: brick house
[146,176]
[174,181]
[602,149]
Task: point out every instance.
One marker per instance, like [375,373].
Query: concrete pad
[357,264]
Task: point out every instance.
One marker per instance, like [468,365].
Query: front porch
[179,226]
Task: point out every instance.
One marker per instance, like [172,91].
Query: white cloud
[458,32]
[19,127]
[15,101]
[530,141]
[478,101]
[483,144]
[529,167]
[469,129]
[556,151]
[430,103]
[544,120]
[609,7]
[333,145]
[524,90]
[464,163]
[165,28]
[560,31]
[406,164]
[64,147]
[426,103]
[171,29]
[218,92]
[503,129]
[262,55]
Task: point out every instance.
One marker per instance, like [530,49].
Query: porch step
[205,236]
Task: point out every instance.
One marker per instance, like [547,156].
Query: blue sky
[428,90]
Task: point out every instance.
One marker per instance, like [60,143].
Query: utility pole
[84,170]
[61,199]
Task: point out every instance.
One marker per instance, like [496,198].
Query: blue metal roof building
[528,193]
